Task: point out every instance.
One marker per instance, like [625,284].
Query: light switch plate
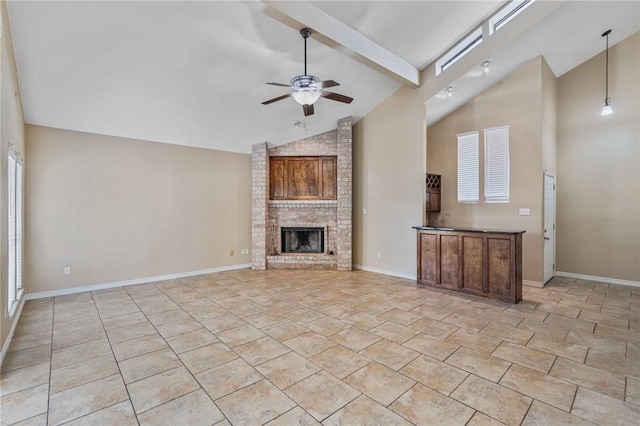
[524,212]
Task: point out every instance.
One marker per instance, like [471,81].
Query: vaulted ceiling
[193,73]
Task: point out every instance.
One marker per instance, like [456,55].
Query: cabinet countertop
[452,229]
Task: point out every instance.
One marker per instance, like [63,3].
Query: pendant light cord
[606,84]
[606,80]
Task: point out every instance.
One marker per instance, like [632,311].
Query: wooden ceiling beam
[339,36]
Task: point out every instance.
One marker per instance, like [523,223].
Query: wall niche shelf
[432,195]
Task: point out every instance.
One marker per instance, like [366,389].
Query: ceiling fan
[307,89]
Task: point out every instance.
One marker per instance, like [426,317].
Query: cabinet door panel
[472,263]
[303,178]
[428,257]
[329,178]
[499,266]
[449,260]
[277,179]
[434,202]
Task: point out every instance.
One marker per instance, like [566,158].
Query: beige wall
[388,181]
[598,196]
[11,131]
[116,209]
[390,162]
[549,120]
[518,102]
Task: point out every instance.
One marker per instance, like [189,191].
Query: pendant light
[606,109]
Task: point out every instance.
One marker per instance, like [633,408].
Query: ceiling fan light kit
[307,89]
[305,92]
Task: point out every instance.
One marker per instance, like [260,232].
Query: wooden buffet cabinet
[480,262]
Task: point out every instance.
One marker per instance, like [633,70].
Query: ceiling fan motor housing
[305,82]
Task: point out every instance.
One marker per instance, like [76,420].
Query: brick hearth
[268,216]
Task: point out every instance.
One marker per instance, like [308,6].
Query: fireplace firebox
[302,240]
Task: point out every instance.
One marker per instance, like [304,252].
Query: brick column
[345,194]
[259,205]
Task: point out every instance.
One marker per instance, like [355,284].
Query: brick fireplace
[331,219]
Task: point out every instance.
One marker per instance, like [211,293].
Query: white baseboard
[7,342]
[384,272]
[598,279]
[413,277]
[82,289]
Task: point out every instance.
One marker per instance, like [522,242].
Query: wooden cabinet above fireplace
[302,178]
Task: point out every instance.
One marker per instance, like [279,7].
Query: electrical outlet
[364,211]
[67,270]
[524,212]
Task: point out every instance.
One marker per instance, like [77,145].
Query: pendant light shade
[606,109]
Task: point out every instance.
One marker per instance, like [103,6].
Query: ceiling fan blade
[279,98]
[279,84]
[308,110]
[325,84]
[336,97]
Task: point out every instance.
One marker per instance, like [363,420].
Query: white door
[549,227]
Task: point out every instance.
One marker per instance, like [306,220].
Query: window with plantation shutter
[14,243]
[11,267]
[468,168]
[496,164]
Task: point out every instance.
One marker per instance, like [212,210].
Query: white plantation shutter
[14,243]
[496,164]
[468,168]
[18,228]
[11,181]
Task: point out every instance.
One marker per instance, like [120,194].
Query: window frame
[464,46]
[507,13]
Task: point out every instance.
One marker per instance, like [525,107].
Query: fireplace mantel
[303,203]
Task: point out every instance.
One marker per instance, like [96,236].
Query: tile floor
[284,348]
